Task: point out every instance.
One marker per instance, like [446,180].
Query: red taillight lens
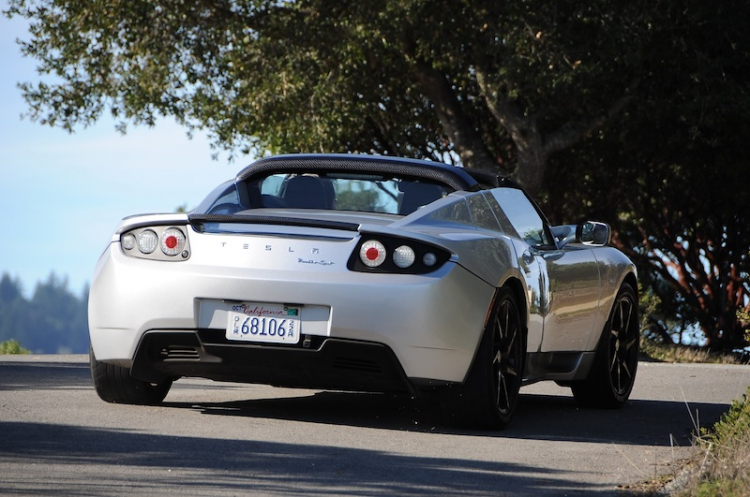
[172,241]
[372,253]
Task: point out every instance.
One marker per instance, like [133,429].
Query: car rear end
[300,303]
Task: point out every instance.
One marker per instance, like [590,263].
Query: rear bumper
[318,363]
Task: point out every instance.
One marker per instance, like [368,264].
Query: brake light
[172,241]
[372,253]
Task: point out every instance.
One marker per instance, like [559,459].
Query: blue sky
[62,195]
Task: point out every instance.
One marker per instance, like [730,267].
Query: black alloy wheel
[489,396]
[507,362]
[613,372]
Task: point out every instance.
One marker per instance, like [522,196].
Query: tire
[114,384]
[489,397]
[612,374]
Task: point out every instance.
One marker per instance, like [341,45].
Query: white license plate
[250,322]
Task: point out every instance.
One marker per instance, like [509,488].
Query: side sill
[558,366]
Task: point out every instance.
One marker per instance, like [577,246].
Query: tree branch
[457,126]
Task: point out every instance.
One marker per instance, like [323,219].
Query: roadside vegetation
[660,352]
[725,465]
[720,463]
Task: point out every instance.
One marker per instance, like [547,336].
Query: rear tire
[612,375]
[114,384]
[489,397]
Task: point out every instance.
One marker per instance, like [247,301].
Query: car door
[567,280]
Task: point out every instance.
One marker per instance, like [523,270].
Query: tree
[53,321]
[675,177]
[495,84]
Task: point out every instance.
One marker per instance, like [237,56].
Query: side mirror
[593,233]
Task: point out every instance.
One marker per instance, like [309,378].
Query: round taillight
[147,241]
[429,259]
[404,256]
[372,253]
[172,241]
[128,241]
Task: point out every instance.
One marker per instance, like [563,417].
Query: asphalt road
[229,439]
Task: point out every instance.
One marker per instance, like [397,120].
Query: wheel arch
[516,286]
[632,280]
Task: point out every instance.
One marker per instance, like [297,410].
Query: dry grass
[724,456]
[653,351]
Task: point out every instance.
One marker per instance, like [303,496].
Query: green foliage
[728,449]
[52,321]
[743,315]
[12,347]
[734,424]
[412,78]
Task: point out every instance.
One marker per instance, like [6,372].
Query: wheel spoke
[510,344]
[629,315]
[502,394]
[627,370]
[498,358]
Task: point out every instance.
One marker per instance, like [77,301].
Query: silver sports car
[366,273]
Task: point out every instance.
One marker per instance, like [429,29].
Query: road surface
[229,439]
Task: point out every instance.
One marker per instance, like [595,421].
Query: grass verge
[720,465]
[724,452]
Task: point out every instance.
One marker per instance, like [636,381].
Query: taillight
[147,241]
[404,256]
[372,253]
[172,241]
[143,242]
[387,254]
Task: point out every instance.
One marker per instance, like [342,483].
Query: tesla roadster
[366,273]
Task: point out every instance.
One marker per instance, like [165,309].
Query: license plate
[263,323]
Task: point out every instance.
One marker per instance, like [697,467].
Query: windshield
[336,191]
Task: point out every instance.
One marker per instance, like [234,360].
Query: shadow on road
[207,466]
[540,417]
